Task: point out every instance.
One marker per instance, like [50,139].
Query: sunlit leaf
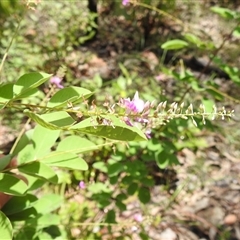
[69,95]
[48,203]
[12,185]
[39,169]
[100,166]
[174,44]
[193,39]
[224,12]
[6,229]
[22,143]
[43,139]
[60,119]
[26,154]
[37,118]
[44,220]
[65,160]
[116,129]
[236,31]
[76,144]
[28,82]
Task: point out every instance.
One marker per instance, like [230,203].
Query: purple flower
[82,185]
[55,80]
[137,113]
[138,217]
[125,2]
[136,105]
[148,133]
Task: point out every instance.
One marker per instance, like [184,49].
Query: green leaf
[6,94]
[113,179]
[6,230]
[98,188]
[4,161]
[22,143]
[174,44]
[154,145]
[40,170]
[100,166]
[122,207]
[18,204]
[29,81]
[65,160]
[23,215]
[43,139]
[45,235]
[26,154]
[76,144]
[117,129]
[34,183]
[115,168]
[148,182]
[165,158]
[193,39]
[26,232]
[28,93]
[208,104]
[48,203]
[128,179]
[224,12]
[233,72]
[12,185]
[162,159]
[44,221]
[37,118]
[52,121]
[60,119]
[111,217]
[144,195]
[68,95]
[132,188]
[236,33]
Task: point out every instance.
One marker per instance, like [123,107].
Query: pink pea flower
[137,112]
[55,80]
[82,185]
[125,2]
[136,105]
[138,217]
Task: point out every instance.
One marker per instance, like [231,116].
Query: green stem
[8,48]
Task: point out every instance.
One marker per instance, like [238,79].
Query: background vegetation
[183,181]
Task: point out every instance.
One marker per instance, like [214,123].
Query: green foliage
[116,129]
[76,135]
[68,95]
[174,44]
[12,185]
[5,227]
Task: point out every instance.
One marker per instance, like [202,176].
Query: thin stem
[8,48]
[161,12]
[28,121]
[19,136]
